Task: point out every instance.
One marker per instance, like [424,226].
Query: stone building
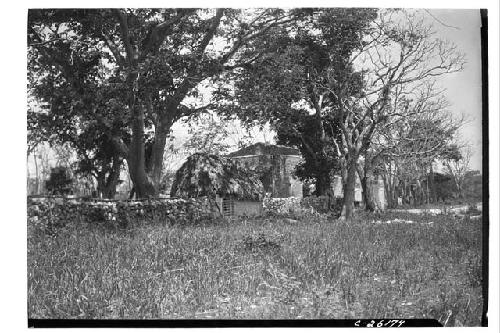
[276,165]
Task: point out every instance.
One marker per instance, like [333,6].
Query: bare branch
[441,22]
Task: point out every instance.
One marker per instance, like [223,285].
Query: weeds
[263,268]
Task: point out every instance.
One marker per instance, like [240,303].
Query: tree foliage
[150,63]
[76,106]
[284,86]
[320,159]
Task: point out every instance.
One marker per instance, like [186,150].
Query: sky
[463,89]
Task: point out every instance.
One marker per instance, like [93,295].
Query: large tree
[286,86]
[399,52]
[81,114]
[321,161]
[156,59]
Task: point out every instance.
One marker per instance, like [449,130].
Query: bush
[311,205]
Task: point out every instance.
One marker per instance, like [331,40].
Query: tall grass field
[415,266]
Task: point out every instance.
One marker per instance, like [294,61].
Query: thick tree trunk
[323,184]
[136,157]
[389,187]
[158,150]
[106,187]
[349,190]
[420,193]
[388,191]
[100,184]
[391,192]
[366,178]
[109,190]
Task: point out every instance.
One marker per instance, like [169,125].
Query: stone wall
[59,212]
[295,183]
[277,173]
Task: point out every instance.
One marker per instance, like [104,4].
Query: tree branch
[125,35]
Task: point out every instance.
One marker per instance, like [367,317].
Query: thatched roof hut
[211,175]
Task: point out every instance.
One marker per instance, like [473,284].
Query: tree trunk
[109,189]
[323,184]
[106,187]
[402,189]
[136,157]
[389,187]
[349,189]
[388,191]
[158,150]
[366,178]
[432,185]
[100,184]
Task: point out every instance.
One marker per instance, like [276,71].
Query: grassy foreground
[266,268]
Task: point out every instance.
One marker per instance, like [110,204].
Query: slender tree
[457,163]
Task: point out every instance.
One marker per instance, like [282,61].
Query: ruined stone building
[276,165]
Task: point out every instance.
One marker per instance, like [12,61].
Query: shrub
[311,205]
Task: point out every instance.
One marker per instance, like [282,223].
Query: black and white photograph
[239,166]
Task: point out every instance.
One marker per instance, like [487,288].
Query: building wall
[295,189]
[278,178]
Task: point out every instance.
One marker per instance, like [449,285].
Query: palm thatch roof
[208,175]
